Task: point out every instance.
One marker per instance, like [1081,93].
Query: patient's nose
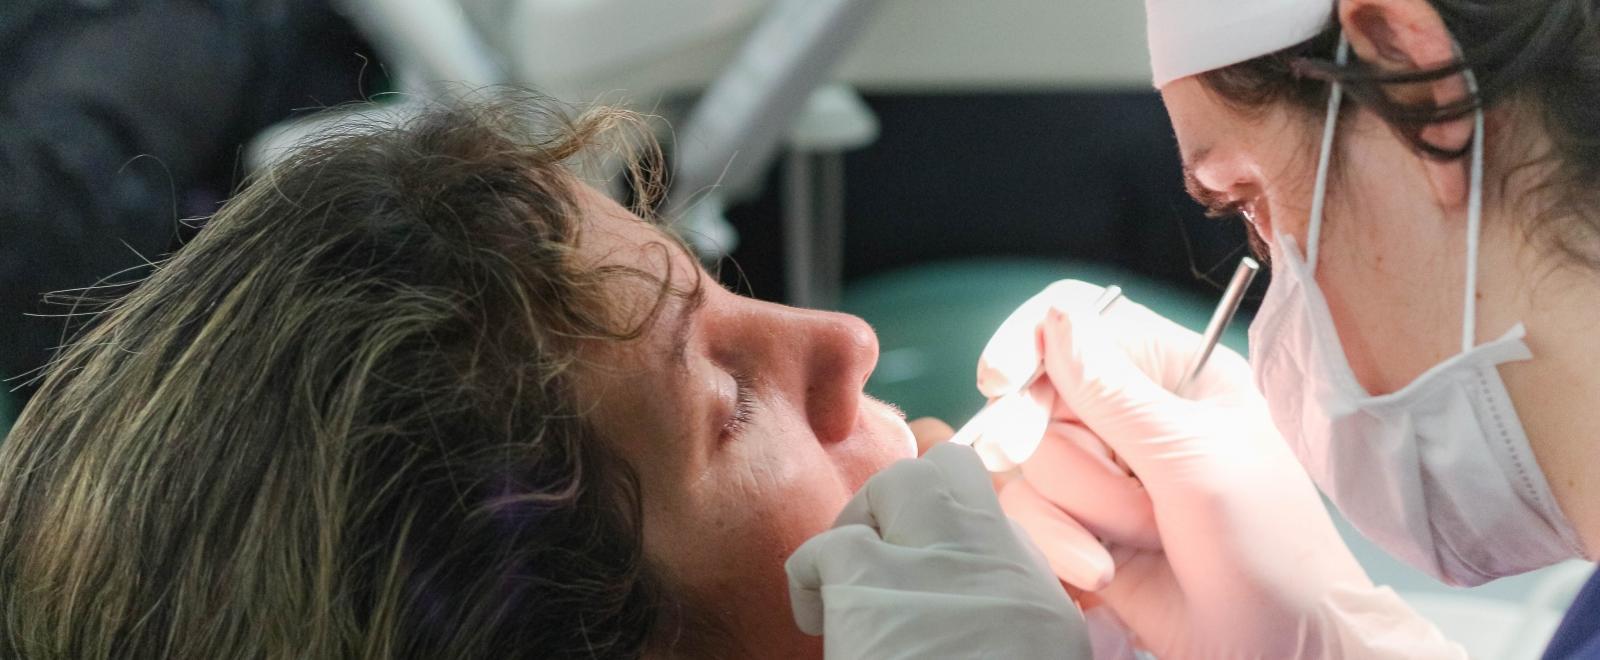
[820,360]
[841,352]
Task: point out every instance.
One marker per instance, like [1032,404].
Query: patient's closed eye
[743,407]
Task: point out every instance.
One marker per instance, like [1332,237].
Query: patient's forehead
[605,225]
[610,234]
[634,382]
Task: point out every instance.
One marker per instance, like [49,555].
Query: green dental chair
[933,320]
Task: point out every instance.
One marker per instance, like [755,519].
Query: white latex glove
[922,563]
[1223,547]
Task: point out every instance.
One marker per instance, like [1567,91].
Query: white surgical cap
[1195,36]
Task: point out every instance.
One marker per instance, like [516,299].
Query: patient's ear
[1406,36]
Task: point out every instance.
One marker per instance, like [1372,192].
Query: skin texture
[1393,244]
[725,507]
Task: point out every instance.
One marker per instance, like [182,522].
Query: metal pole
[828,273]
[799,235]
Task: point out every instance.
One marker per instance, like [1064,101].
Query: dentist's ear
[1397,36]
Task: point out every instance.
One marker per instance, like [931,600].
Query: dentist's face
[747,426]
[1392,259]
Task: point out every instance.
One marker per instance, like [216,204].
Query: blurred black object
[119,117]
[1084,176]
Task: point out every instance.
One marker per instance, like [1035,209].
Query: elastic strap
[1319,193]
[1469,308]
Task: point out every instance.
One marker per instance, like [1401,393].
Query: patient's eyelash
[743,406]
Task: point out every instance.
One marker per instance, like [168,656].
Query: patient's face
[747,425]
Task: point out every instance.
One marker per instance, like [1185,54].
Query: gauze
[1439,473]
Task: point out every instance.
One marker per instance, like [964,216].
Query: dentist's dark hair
[1541,56]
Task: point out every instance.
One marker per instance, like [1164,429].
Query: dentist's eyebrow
[1193,161]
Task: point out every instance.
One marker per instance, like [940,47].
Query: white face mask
[1439,473]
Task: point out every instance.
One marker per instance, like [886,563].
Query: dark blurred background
[967,204]
[1090,177]
[118,118]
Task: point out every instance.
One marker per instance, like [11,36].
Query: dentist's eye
[1247,210]
[743,407]
[1220,209]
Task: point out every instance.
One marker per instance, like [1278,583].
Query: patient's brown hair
[340,422]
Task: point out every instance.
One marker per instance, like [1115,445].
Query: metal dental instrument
[1220,318]
[1231,297]
[968,433]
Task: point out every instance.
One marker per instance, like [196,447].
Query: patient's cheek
[739,568]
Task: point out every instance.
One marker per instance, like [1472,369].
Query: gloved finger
[1165,350]
[1108,635]
[965,475]
[1159,346]
[1096,448]
[1108,392]
[1013,425]
[1162,348]
[1074,555]
[919,502]
[1101,496]
[1225,377]
[1148,599]
[827,558]
[930,431]
[1014,353]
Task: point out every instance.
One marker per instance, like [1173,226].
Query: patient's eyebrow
[680,331]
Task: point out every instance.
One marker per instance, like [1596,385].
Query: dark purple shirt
[1578,637]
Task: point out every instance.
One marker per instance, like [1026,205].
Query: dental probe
[968,433]
[1220,318]
[1231,297]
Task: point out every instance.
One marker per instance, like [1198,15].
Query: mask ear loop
[1319,192]
[1469,309]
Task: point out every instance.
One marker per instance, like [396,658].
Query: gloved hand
[1223,547]
[922,563]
